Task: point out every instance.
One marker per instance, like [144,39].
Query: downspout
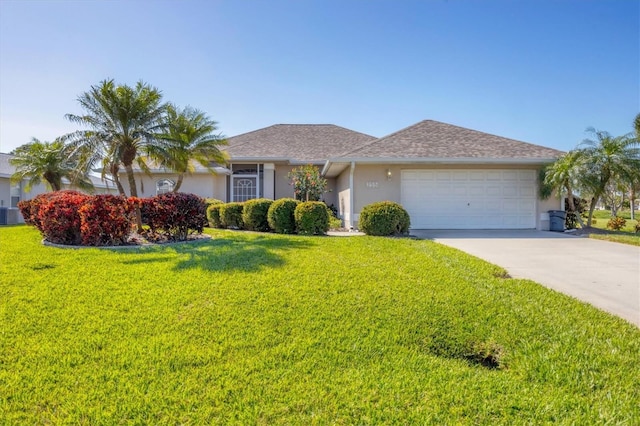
[351,194]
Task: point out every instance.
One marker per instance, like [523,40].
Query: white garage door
[470,199]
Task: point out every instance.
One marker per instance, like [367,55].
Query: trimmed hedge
[106,220]
[213,215]
[231,215]
[73,218]
[281,215]
[312,217]
[384,218]
[254,214]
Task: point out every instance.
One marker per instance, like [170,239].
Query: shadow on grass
[239,252]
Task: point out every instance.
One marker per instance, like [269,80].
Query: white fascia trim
[257,159]
[262,160]
[432,160]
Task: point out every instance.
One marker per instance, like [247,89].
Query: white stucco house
[447,177]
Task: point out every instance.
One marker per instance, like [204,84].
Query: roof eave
[443,160]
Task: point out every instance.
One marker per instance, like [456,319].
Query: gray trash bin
[556,220]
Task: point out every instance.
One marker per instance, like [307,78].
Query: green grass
[269,329]
[626,235]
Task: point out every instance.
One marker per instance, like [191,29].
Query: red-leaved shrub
[58,218]
[25,210]
[31,208]
[174,215]
[106,220]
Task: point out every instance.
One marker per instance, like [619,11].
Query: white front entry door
[470,199]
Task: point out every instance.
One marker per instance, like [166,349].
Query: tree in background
[608,159]
[634,189]
[190,137]
[51,161]
[307,183]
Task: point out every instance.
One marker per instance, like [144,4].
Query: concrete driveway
[604,274]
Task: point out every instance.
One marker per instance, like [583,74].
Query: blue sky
[538,71]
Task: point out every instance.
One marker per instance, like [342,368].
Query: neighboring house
[12,193]
[447,177]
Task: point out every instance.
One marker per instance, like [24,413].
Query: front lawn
[267,329]
[626,235]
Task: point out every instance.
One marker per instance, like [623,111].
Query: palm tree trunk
[114,174]
[572,206]
[133,191]
[176,188]
[592,207]
[632,198]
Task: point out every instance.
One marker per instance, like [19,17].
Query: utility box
[544,221]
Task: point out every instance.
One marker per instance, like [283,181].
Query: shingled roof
[436,140]
[312,143]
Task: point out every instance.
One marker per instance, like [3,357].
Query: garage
[470,199]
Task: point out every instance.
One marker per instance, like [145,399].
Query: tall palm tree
[122,123]
[563,175]
[51,161]
[635,188]
[608,158]
[190,137]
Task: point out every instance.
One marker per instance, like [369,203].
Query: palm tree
[190,137]
[51,161]
[122,123]
[606,159]
[564,175]
[634,188]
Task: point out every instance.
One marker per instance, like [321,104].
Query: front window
[15,194]
[246,182]
[165,185]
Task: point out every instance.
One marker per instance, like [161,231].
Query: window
[246,181]
[15,194]
[165,185]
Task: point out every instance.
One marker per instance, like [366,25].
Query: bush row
[73,218]
[284,216]
[289,216]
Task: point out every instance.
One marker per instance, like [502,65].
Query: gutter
[351,194]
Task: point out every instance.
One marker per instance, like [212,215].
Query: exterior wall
[281,181]
[5,192]
[343,193]
[371,184]
[13,214]
[205,185]
[552,203]
[283,189]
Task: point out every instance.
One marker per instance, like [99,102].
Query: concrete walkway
[604,274]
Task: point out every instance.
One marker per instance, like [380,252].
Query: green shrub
[384,218]
[281,215]
[213,215]
[616,223]
[334,222]
[212,201]
[312,217]
[637,230]
[231,215]
[254,214]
